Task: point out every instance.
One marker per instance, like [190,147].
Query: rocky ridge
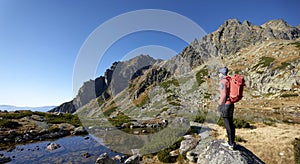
[267,55]
[114,81]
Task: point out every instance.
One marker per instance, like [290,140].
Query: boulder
[104,159]
[135,159]
[53,146]
[219,154]
[187,144]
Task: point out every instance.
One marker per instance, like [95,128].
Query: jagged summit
[228,39]
[277,24]
[115,79]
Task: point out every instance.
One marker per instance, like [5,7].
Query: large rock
[187,144]
[135,159]
[53,146]
[218,154]
[116,79]
[104,159]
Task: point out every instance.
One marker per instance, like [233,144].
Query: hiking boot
[226,144]
[230,147]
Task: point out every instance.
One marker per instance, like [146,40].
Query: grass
[200,75]
[4,123]
[289,95]
[164,155]
[296,144]
[166,84]
[283,65]
[120,119]
[108,112]
[164,109]
[297,44]
[16,114]
[7,118]
[143,102]
[213,118]
[207,95]
[65,118]
[240,139]
[264,62]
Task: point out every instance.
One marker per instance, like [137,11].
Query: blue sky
[40,39]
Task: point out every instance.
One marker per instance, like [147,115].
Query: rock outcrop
[114,81]
[217,154]
[228,39]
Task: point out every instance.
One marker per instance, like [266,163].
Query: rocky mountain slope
[115,79]
[168,94]
[179,89]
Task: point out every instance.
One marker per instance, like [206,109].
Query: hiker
[226,108]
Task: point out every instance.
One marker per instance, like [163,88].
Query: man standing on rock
[226,108]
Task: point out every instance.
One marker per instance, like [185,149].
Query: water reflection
[74,149]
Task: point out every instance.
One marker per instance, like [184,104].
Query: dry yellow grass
[272,144]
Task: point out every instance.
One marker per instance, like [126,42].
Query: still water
[74,149]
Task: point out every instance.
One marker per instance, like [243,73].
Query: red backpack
[236,86]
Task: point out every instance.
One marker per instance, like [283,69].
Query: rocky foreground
[21,127]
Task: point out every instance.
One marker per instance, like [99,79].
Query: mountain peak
[277,24]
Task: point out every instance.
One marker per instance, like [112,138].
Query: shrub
[200,118]
[201,75]
[144,101]
[108,112]
[164,155]
[120,119]
[4,123]
[239,139]
[297,44]
[16,114]
[65,118]
[168,83]
[238,123]
[296,144]
[264,62]
[289,95]
[283,65]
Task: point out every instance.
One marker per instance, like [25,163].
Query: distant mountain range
[14,108]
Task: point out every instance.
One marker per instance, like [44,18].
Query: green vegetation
[240,139]
[108,112]
[207,95]
[269,123]
[6,120]
[289,95]
[4,123]
[175,103]
[120,119]
[164,155]
[100,101]
[297,44]
[16,114]
[238,123]
[164,109]
[237,71]
[201,75]
[264,62]
[296,144]
[283,65]
[143,102]
[166,84]
[54,129]
[214,118]
[65,118]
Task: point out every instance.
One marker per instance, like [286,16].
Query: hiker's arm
[222,94]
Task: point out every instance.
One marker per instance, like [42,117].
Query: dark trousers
[227,114]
